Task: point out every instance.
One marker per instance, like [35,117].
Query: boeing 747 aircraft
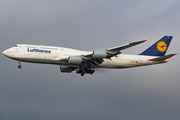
[85,62]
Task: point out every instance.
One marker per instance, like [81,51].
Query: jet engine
[99,54]
[75,60]
[66,69]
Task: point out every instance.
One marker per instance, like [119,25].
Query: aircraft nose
[4,52]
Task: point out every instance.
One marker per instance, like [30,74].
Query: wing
[119,48]
[85,63]
[96,57]
[112,51]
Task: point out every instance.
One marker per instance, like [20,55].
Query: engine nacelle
[66,69]
[75,60]
[99,54]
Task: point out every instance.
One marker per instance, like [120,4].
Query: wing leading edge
[119,48]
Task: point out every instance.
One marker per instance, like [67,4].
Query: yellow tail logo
[161,46]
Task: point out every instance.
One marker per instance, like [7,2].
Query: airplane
[86,62]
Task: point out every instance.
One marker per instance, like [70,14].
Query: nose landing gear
[19,66]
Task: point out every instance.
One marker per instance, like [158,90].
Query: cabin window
[48,48]
[15,45]
[30,47]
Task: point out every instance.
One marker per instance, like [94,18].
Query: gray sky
[41,92]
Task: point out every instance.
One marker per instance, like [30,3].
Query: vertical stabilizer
[159,48]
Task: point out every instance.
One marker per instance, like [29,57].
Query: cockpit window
[15,45]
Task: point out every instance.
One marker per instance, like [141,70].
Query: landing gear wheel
[82,74]
[92,71]
[19,66]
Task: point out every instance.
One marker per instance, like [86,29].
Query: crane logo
[161,46]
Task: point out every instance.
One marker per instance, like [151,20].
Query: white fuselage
[52,55]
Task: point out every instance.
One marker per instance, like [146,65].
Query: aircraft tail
[159,48]
[162,57]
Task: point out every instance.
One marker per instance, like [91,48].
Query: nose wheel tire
[19,66]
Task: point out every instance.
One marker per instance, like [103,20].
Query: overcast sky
[41,92]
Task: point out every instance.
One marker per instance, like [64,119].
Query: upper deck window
[49,48]
[15,45]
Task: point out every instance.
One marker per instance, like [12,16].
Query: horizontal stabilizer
[162,58]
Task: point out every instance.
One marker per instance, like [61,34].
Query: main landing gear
[19,66]
[85,70]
